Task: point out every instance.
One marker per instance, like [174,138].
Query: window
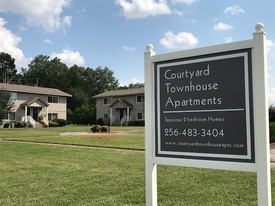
[53,99]
[140,116]
[107,101]
[52,116]
[140,98]
[11,116]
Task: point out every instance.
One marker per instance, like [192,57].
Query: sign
[203,107]
[208,108]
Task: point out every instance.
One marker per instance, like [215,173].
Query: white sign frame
[260,114]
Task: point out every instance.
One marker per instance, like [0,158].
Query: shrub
[53,123]
[272,132]
[95,128]
[104,129]
[6,125]
[20,124]
[61,122]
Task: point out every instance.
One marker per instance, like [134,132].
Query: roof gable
[35,102]
[32,90]
[120,103]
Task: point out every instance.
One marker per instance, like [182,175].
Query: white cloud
[182,40]
[233,10]
[228,39]
[135,80]
[129,49]
[10,45]
[183,1]
[69,57]
[48,41]
[221,26]
[122,84]
[143,8]
[44,13]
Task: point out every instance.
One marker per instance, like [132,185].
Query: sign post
[261,116]
[151,167]
[207,108]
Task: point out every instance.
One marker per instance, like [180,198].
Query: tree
[136,85]
[131,86]
[100,80]
[271,112]
[7,68]
[79,98]
[5,104]
[84,115]
[46,72]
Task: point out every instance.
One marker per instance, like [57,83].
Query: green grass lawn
[48,175]
[52,175]
[53,135]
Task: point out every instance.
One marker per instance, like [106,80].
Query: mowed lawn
[56,175]
[66,135]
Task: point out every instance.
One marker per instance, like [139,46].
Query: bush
[69,122]
[95,128]
[61,122]
[19,124]
[53,123]
[104,129]
[272,132]
[6,125]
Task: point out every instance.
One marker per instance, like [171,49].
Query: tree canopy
[46,72]
[82,83]
[271,112]
[7,68]
[5,104]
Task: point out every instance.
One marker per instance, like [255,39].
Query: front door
[35,112]
[121,113]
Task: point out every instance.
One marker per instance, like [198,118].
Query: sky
[115,33]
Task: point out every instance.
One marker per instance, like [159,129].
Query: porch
[35,112]
[120,113]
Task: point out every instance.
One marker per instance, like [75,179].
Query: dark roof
[32,90]
[124,92]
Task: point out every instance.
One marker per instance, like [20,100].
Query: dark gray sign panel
[203,107]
